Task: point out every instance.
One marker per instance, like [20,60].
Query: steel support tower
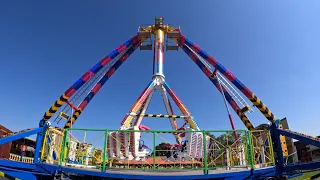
[158,31]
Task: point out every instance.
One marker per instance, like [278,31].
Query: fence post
[204,138]
[64,143]
[154,150]
[270,147]
[44,144]
[104,157]
[250,149]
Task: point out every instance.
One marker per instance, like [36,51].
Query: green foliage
[210,135]
[227,138]
[307,175]
[162,149]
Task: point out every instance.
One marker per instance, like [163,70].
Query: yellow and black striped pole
[55,106]
[159,116]
[262,108]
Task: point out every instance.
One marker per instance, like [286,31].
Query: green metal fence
[156,150]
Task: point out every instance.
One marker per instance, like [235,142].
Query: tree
[228,138]
[210,135]
[162,149]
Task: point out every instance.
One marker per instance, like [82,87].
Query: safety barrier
[51,148]
[262,148]
[227,152]
[15,157]
[157,150]
[87,153]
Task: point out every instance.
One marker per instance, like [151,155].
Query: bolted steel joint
[159,21]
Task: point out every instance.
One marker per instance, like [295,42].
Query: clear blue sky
[272,47]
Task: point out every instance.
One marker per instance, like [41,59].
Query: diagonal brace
[20,135]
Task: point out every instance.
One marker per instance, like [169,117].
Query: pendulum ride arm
[99,84]
[233,104]
[228,111]
[182,107]
[213,78]
[86,77]
[159,31]
[144,108]
[231,77]
[126,122]
[139,112]
[169,109]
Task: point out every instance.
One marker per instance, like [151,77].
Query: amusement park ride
[260,152]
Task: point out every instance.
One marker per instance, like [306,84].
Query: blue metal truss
[300,137]
[14,137]
[22,170]
[281,167]
[34,171]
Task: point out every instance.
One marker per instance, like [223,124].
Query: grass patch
[306,175]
